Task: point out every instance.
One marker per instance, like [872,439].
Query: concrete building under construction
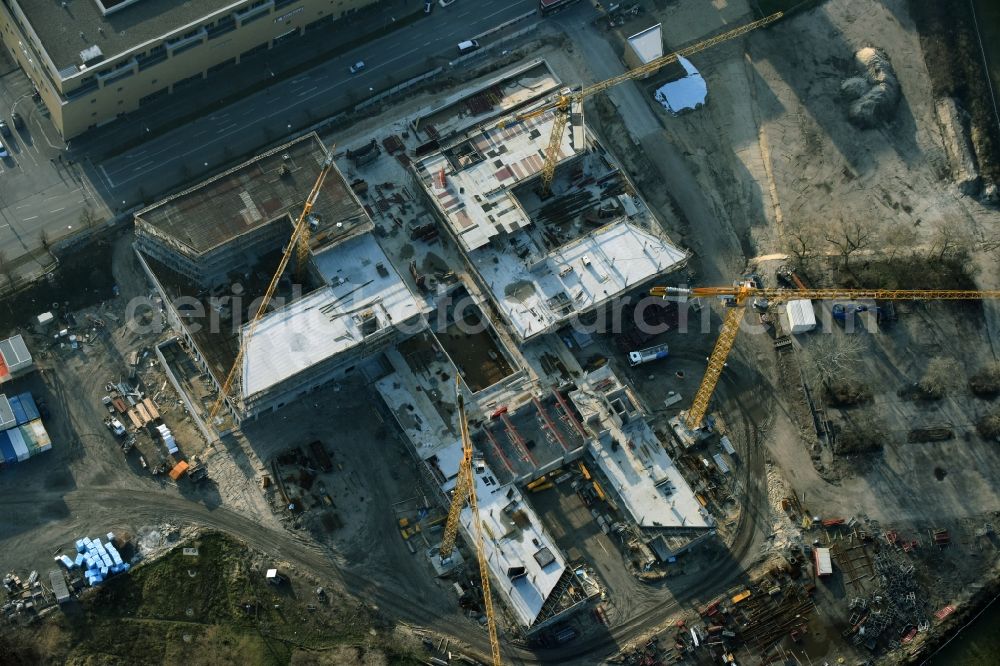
[544,258]
[212,249]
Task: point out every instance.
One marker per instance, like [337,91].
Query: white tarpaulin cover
[683,94]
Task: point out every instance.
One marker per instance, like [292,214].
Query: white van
[468,47]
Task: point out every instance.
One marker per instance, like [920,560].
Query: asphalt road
[258,120]
[37,194]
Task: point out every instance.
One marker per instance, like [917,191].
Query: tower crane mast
[465,489]
[738,295]
[299,244]
[562,102]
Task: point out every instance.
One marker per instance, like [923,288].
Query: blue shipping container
[19,414]
[7,449]
[29,406]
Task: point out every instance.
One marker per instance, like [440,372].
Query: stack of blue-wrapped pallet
[98,560]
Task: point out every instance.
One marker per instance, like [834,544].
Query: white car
[3,150]
[357,67]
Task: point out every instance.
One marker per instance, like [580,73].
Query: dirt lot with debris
[206,601]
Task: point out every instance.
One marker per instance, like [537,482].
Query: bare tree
[986,382]
[835,358]
[88,218]
[802,241]
[896,239]
[949,241]
[849,237]
[941,375]
[988,424]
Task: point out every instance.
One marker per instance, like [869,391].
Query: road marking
[111,183]
[306,92]
[29,219]
[58,210]
[227,127]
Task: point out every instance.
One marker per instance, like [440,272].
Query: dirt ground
[771,151]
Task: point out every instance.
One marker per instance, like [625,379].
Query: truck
[646,355]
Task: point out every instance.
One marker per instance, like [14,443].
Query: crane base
[444,568]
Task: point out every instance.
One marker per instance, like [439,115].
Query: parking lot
[41,194]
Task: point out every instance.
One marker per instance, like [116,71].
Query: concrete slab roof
[628,453]
[514,537]
[362,286]
[648,43]
[513,534]
[471,179]
[66,31]
[269,188]
[546,288]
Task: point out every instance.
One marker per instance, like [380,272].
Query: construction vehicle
[564,100]
[465,489]
[298,244]
[745,291]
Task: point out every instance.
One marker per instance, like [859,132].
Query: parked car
[3,150]
[18,120]
[428,6]
[445,3]
[4,129]
[357,67]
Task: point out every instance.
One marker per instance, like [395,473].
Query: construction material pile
[99,560]
[876,93]
[22,434]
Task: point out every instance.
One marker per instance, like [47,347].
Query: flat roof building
[224,223]
[15,359]
[363,308]
[93,60]
[349,304]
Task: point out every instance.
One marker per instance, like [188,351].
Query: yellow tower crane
[737,297]
[465,489]
[299,244]
[562,102]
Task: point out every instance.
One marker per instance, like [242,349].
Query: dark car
[4,129]
[18,120]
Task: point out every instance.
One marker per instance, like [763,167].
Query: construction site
[566,361]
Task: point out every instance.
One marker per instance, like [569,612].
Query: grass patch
[214,608]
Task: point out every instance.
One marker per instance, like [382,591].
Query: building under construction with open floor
[212,249]
[637,471]
[532,576]
[544,259]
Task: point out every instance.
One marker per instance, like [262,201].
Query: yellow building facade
[95,60]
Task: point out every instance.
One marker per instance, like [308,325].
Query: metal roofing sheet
[7,418]
[648,44]
[9,457]
[29,406]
